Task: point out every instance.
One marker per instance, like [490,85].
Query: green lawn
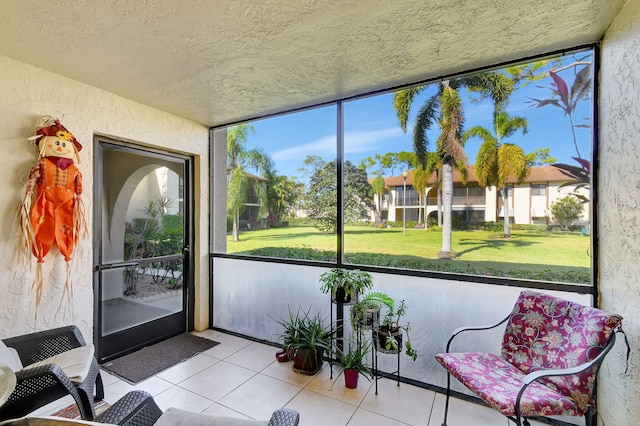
[541,255]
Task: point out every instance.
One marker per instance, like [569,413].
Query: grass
[529,254]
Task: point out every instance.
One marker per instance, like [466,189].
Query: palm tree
[379,188]
[239,181]
[497,161]
[445,109]
[420,181]
[282,195]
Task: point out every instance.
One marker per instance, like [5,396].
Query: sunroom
[153,85]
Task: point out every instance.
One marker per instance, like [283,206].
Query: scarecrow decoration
[52,212]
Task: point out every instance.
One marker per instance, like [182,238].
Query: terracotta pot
[351,379]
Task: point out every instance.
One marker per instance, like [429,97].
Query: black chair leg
[516,420]
[590,417]
[99,388]
[85,404]
[446,402]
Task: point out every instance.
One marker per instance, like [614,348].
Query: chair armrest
[41,345]
[284,417]
[536,375]
[43,377]
[531,377]
[36,387]
[473,328]
[135,408]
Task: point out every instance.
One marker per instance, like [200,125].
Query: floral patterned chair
[551,351]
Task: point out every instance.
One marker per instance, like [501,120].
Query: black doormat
[151,360]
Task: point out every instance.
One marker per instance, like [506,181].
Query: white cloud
[354,142]
[364,141]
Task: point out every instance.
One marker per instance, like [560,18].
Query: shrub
[580,276]
[172,221]
[566,212]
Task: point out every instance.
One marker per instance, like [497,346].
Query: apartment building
[529,201]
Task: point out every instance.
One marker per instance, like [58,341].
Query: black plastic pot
[340,297]
[380,340]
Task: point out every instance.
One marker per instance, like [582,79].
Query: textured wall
[619,195]
[26,93]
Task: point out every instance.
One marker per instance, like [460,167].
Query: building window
[538,189]
[358,149]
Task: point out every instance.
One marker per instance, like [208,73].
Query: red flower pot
[351,379]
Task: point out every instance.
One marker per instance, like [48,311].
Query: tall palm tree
[379,189]
[239,181]
[420,180]
[497,161]
[443,108]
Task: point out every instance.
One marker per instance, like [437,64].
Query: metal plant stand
[339,329]
[377,348]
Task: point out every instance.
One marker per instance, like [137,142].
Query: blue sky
[371,127]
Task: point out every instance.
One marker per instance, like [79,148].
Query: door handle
[115,265]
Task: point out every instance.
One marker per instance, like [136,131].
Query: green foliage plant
[354,357]
[391,326]
[291,327]
[371,301]
[306,331]
[352,281]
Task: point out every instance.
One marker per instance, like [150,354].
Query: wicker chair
[41,385]
[137,408]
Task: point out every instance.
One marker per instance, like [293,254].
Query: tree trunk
[378,212]
[447,201]
[425,205]
[505,208]
[439,196]
[234,231]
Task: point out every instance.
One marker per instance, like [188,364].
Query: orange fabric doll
[55,215]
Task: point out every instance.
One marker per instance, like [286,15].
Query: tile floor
[241,378]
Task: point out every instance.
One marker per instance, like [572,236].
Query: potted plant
[290,335]
[365,312]
[352,362]
[345,284]
[308,342]
[388,337]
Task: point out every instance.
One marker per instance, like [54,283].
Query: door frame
[122,340]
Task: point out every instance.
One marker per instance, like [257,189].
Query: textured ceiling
[221,61]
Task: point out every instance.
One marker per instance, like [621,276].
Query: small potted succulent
[345,284]
[388,337]
[352,362]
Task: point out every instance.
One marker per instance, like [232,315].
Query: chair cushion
[75,363]
[497,382]
[177,417]
[545,333]
[10,358]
